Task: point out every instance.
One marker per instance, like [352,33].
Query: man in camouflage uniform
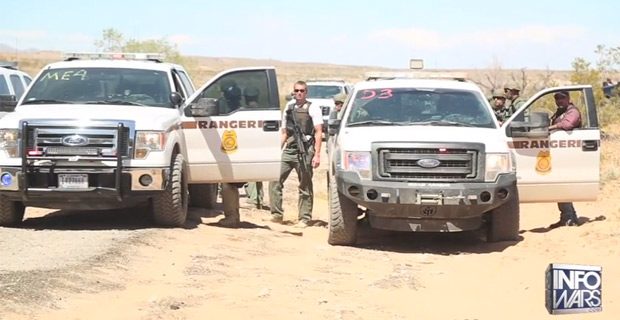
[310,120]
[253,190]
[339,101]
[502,112]
[512,93]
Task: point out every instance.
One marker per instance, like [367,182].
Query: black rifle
[300,139]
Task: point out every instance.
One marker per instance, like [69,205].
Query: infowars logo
[573,289]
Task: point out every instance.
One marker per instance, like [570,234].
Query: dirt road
[115,265]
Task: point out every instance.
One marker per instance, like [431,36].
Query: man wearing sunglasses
[502,112]
[339,101]
[309,119]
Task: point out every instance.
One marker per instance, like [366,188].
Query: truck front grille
[427,164]
[62,141]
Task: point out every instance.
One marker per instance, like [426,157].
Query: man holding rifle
[302,127]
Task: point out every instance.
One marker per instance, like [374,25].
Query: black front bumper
[426,206]
[107,187]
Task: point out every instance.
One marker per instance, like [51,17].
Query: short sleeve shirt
[315,112]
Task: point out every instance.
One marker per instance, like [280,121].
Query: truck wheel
[11,212]
[342,217]
[203,195]
[170,206]
[504,221]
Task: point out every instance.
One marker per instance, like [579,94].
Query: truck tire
[170,206]
[11,212]
[342,217]
[203,195]
[504,221]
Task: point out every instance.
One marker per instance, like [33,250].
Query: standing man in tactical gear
[502,112]
[309,120]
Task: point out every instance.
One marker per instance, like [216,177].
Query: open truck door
[558,165]
[232,127]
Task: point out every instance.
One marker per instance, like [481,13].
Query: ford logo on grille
[428,163]
[75,140]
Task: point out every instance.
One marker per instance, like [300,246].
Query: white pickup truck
[424,152]
[110,130]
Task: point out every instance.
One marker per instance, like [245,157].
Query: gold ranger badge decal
[229,141]
[543,163]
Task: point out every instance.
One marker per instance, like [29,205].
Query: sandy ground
[115,265]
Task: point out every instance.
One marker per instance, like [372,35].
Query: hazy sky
[446,34]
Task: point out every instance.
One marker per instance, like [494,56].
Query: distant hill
[6,48]
[288,72]
[10,49]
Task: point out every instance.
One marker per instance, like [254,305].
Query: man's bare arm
[283,137]
[318,139]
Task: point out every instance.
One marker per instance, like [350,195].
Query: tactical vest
[515,104]
[304,121]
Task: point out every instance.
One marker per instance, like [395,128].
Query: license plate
[73,181]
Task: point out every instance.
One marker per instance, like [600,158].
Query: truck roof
[325,83]
[417,83]
[131,64]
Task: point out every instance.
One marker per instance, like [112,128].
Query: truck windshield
[323,91]
[101,86]
[407,106]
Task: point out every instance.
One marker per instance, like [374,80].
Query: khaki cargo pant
[254,192]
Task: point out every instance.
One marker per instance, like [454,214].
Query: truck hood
[322,102]
[146,118]
[361,138]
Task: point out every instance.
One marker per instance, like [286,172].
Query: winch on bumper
[426,206]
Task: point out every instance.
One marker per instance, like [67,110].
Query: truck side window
[547,104]
[27,80]
[4,86]
[186,82]
[178,87]
[17,85]
[242,90]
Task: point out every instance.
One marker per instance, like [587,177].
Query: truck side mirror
[536,127]
[176,98]
[8,103]
[289,97]
[333,125]
[205,107]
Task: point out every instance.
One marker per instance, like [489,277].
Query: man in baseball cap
[566,117]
